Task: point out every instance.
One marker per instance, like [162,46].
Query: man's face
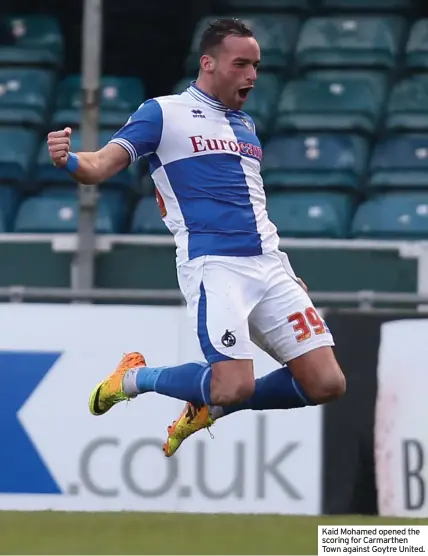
[234,70]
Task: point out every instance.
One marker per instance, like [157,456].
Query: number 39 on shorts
[307,323]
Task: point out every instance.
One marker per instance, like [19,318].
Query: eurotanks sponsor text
[372,539]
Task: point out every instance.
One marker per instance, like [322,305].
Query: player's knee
[330,386]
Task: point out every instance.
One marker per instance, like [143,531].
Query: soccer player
[205,157]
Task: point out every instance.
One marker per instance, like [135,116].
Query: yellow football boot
[109,392]
[191,420]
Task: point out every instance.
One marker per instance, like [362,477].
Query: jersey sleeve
[141,134]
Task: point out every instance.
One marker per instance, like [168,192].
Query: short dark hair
[218,30]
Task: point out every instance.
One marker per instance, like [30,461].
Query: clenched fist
[59,146]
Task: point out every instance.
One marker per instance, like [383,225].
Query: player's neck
[205,87]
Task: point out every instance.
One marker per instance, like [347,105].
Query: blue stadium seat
[325,215]
[368,5]
[393,216]
[147,218]
[25,96]
[58,215]
[400,161]
[407,106]
[9,200]
[417,46]
[38,41]
[262,102]
[119,98]
[276,34]
[314,161]
[48,174]
[117,201]
[339,104]
[18,148]
[267,5]
[377,79]
[350,41]
[147,186]
[182,85]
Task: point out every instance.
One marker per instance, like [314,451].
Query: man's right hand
[59,144]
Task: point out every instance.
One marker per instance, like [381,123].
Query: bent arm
[140,136]
[96,167]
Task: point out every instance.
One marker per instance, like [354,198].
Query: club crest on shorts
[228,339]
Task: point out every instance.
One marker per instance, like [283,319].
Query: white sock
[216,411]
[129,383]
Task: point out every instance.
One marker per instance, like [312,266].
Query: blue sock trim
[147,378]
[156,377]
[277,390]
[204,387]
[190,382]
[299,391]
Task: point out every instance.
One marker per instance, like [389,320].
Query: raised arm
[138,137]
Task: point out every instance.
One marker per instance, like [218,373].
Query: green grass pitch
[144,533]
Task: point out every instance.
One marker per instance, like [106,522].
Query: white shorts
[236,301]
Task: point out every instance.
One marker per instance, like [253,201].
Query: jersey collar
[206,99]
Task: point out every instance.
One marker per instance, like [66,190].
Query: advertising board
[57,456]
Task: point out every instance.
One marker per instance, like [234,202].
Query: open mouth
[243,92]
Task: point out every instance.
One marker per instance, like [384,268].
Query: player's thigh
[219,303]
[287,326]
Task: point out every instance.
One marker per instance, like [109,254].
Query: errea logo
[197,113]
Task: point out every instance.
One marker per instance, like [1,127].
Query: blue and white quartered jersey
[205,163]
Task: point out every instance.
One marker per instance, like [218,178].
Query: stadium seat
[58,215]
[25,96]
[400,161]
[266,5]
[116,200]
[262,101]
[417,46]
[407,106]
[119,98]
[350,42]
[276,35]
[314,161]
[18,148]
[147,218]
[368,5]
[9,200]
[329,105]
[48,174]
[392,216]
[325,215]
[377,79]
[38,41]
[147,186]
[182,85]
